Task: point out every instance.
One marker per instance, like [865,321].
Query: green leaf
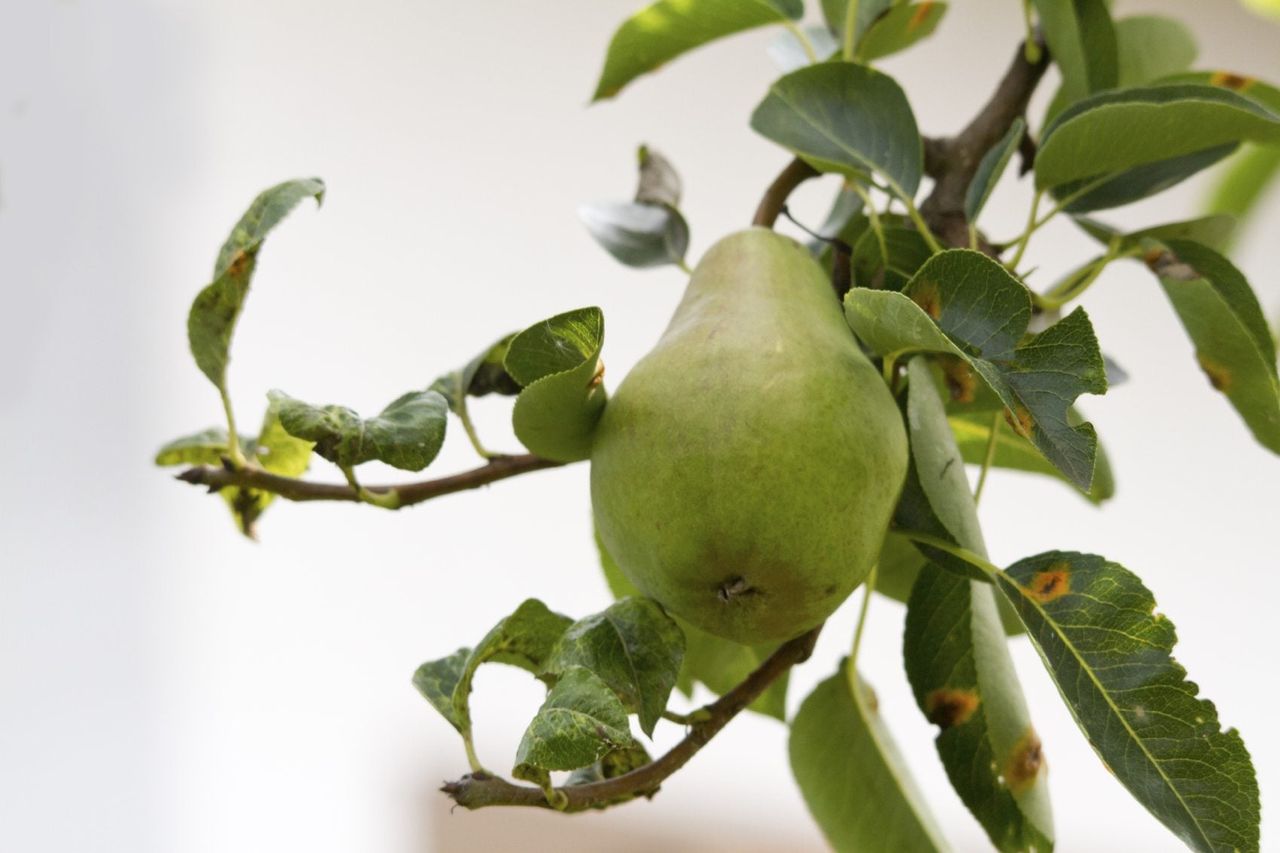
[484,374]
[869,11]
[612,765]
[437,680]
[717,663]
[1137,183]
[853,778]
[907,251]
[208,447]
[1082,42]
[1151,47]
[558,363]
[977,312]
[524,639]
[666,29]
[898,29]
[635,648]
[638,235]
[990,170]
[1094,624]
[212,319]
[955,652]
[1112,132]
[973,432]
[1263,94]
[1213,231]
[845,118]
[581,722]
[1242,185]
[407,434]
[1225,323]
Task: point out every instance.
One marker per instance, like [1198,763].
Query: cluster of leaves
[987,371]
[624,660]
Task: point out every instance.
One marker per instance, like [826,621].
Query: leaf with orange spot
[899,28]
[1109,654]
[1224,320]
[982,317]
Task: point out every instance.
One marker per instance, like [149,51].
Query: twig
[479,790]
[953,162]
[775,198]
[408,494]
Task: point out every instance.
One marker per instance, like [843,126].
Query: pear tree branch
[480,790]
[407,494]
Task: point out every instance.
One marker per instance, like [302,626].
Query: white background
[166,685]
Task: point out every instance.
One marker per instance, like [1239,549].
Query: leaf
[789,54]
[666,29]
[1112,132]
[483,375]
[834,11]
[274,451]
[207,447]
[407,434]
[907,253]
[955,652]
[1093,623]
[990,170]
[845,118]
[1263,94]
[1213,231]
[437,680]
[580,722]
[638,235]
[558,363]
[524,639]
[899,28]
[1082,42]
[635,648]
[977,312]
[717,663]
[212,319]
[612,765]
[1150,47]
[659,181]
[1243,184]
[973,431]
[852,776]
[1225,322]
[1137,183]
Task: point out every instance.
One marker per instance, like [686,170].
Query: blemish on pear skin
[927,297]
[960,378]
[1020,422]
[1050,584]
[947,707]
[1219,377]
[1234,82]
[921,15]
[1023,766]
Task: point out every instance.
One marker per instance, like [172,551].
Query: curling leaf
[407,434]
[580,722]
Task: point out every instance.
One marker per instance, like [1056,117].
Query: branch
[289,488]
[953,162]
[775,198]
[478,790]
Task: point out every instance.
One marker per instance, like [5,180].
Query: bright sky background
[165,685]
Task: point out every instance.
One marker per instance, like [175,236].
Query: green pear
[745,471]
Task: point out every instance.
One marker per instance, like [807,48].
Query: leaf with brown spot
[1233,344]
[1110,656]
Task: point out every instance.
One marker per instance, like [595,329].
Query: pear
[745,471]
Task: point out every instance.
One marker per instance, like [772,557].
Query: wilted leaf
[207,447]
[581,722]
[407,434]
[853,778]
[845,118]
[635,648]
[1093,623]
[558,363]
